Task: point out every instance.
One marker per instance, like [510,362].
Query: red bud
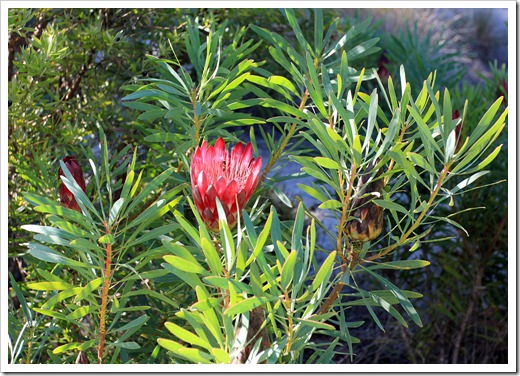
[66,196]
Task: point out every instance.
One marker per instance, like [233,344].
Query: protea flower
[66,196]
[369,216]
[230,176]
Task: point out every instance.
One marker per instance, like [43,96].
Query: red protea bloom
[66,196]
[230,176]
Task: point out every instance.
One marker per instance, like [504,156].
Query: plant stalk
[104,297]
[284,143]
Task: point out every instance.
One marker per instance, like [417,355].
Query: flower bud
[368,222]
[66,197]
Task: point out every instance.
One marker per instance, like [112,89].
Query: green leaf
[107,239]
[247,305]
[356,148]
[211,255]
[282,196]
[485,121]
[47,286]
[288,270]
[324,273]
[66,347]
[226,238]
[393,127]
[152,293]
[327,163]
[316,324]
[87,290]
[59,297]
[185,265]
[297,228]
[464,183]
[420,161]
[152,186]
[379,301]
[313,192]
[318,30]
[206,304]
[289,13]
[221,355]
[187,227]
[490,158]
[330,204]
[424,131]
[447,115]
[390,205]
[114,211]
[186,336]
[192,355]
[23,303]
[285,83]
[47,254]
[262,238]
[138,322]
[126,345]
[162,137]
[81,312]
[223,283]
[402,264]
[372,115]
[403,300]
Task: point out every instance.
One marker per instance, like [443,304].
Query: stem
[104,297]
[287,303]
[337,288]
[346,200]
[334,294]
[284,143]
[475,295]
[419,219]
[29,346]
[196,118]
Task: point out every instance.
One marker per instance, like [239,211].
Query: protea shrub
[229,176]
[66,197]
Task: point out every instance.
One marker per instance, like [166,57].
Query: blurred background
[67,67]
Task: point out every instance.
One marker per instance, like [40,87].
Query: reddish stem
[104,297]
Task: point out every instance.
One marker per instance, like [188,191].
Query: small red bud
[458,130]
[66,196]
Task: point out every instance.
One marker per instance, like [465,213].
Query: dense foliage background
[68,72]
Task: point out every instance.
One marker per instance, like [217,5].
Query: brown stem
[344,210]
[334,293]
[284,143]
[104,297]
[407,344]
[74,86]
[196,121]
[287,304]
[419,219]
[475,295]
[339,245]
[256,330]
